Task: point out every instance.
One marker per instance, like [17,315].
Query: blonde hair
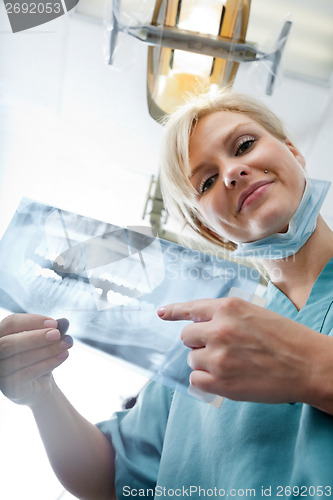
[178,193]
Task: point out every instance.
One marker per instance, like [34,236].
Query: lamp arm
[210,45]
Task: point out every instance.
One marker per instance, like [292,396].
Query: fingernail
[63,325]
[50,323]
[52,335]
[161,312]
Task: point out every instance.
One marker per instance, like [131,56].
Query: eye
[243,145]
[207,183]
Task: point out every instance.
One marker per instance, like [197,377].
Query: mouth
[249,194]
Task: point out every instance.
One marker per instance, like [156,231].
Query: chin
[273,223]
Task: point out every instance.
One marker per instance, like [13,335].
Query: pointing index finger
[194,310]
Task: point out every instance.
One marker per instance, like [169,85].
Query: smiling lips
[251,193]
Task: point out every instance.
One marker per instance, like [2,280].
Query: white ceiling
[106,140]
[309,50]
[308,53]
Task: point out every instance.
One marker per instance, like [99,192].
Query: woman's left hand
[245,352]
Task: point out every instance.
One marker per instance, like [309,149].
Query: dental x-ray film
[109,281]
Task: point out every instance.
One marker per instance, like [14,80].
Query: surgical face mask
[301,226]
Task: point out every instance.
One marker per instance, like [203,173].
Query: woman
[231,174]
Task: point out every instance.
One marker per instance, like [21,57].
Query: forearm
[79,453]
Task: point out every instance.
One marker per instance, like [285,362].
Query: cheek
[299,181]
[297,191]
[214,217]
[212,210]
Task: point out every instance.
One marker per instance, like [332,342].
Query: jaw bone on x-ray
[109,281]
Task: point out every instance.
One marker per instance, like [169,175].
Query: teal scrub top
[171,445]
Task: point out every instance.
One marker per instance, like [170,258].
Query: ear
[299,157]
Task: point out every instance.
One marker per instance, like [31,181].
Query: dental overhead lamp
[193,44]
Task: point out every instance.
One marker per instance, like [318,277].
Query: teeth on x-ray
[41,283]
[42,271]
[109,281]
[113,261]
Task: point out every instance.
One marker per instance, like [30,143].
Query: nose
[234,175]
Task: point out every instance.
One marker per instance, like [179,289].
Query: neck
[295,275]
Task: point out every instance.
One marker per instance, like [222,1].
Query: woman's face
[229,154]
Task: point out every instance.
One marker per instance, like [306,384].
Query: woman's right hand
[31,347]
